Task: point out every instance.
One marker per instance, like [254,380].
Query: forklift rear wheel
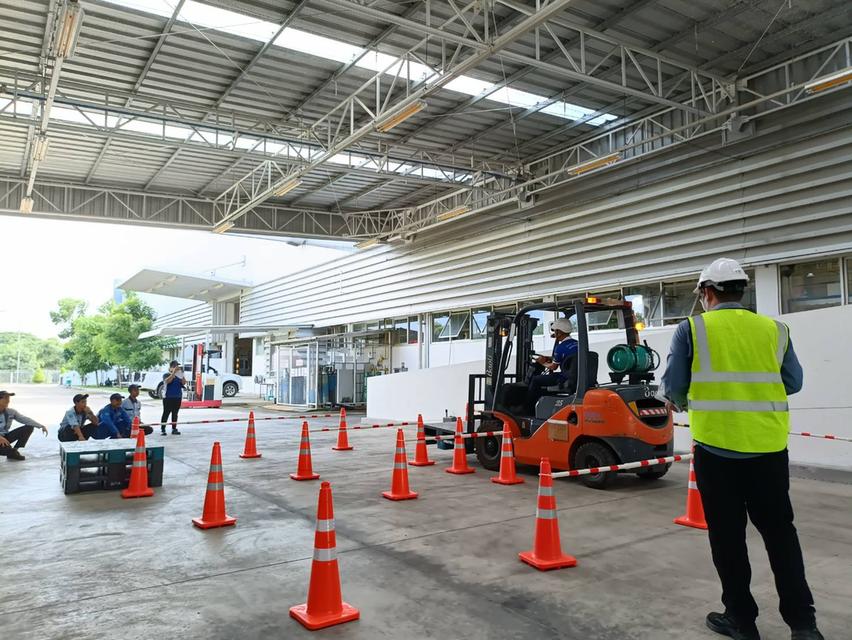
[655,473]
[595,454]
[488,449]
[230,389]
[160,389]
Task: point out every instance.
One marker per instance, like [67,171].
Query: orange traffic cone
[694,516]
[138,486]
[547,550]
[325,606]
[305,470]
[250,449]
[459,465]
[421,454]
[507,461]
[399,479]
[134,427]
[214,499]
[342,434]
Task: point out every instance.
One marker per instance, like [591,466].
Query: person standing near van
[173,385]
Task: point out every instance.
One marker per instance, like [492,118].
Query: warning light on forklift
[640,326]
[592,300]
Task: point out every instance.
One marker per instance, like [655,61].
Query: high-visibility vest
[737,399]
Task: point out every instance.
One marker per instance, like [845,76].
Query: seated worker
[113,421]
[18,436]
[565,349]
[133,407]
[73,425]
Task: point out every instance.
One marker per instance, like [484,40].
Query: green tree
[119,343]
[51,354]
[83,350]
[67,310]
[39,377]
[26,351]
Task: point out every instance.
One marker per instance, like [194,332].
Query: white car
[152,381]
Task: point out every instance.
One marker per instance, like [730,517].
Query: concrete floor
[443,566]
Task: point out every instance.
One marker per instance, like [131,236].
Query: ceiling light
[827,82]
[596,163]
[452,213]
[40,148]
[223,226]
[287,187]
[203,292]
[366,244]
[386,124]
[68,32]
[217,286]
[26,205]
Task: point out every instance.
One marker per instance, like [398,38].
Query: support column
[766,289]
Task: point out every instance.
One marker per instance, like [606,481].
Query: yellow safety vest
[737,399]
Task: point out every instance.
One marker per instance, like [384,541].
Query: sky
[45,260]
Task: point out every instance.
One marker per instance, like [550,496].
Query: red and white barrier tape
[804,434]
[242,419]
[621,467]
[474,435]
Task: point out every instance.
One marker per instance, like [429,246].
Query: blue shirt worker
[113,420]
[558,364]
[133,407]
[17,437]
[173,384]
[79,422]
[734,369]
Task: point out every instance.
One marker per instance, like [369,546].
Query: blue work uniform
[562,354]
[174,389]
[112,423]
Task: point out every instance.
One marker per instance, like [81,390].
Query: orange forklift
[577,423]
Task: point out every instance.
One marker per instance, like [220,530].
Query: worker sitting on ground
[74,425]
[113,421]
[133,407]
[19,436]
[558,364]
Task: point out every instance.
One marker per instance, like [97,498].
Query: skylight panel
[203,15]
[319,46]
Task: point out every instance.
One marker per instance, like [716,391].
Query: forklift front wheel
[595,454]
[488,449]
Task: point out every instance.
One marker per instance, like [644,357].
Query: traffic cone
[507,461]
[459,465]
[342,434]
[138,486]
[214,499]
[325,606]
[399,479]
[421,454]
[547,550]
[694,516]
[305,470]
[134,427]
[250,448]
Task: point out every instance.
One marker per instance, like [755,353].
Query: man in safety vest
[734,369]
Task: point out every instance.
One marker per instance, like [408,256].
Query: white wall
[821,339]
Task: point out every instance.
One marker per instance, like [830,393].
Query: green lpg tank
[623,358]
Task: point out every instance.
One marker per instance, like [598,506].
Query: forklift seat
[569,385]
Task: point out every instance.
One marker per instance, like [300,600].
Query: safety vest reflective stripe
[324,526]
[706,372]
[736,405]
[545,514]
[215,486]
[325,555]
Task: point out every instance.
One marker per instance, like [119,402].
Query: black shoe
[14,454]
[175,432]
[163,433]
[807,633]
[725,625]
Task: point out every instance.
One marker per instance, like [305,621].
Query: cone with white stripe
[342,435]
[134,427]
[138,486]
[214,499]
[399,480]
[250,448]
[507,473]
[305,470]
[421,454]
[325,606]
[547,549]
[459,465]
[694,516]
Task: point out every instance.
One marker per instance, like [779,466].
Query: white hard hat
[721,271]
[562,324]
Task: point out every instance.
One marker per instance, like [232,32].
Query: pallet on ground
[96,465]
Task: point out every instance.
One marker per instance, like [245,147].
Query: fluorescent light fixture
[832,80]
[223,226]
[453,213]
[217,286]
[596,163]
[26,204]
[386,124]
[287,187]
[68,31]
[366,244]
[203,292]
[40,148]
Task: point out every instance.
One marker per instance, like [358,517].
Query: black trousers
[68,435]
[170,406]
[17,437]
[733,490]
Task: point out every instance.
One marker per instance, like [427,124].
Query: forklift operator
[558,365]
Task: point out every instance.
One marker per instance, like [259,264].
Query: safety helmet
[562,324]
[720,272]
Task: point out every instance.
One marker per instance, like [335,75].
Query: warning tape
[804,434]
[243,419]
[474,435]
[621,467]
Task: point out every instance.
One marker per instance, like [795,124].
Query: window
[810,285]
[458,327]
[539,329]
[679,301]
[480,322]
[400,331]
[646,303]
[749,300]
[439,321]
[603,319]
[413,330]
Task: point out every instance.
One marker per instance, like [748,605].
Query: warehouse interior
[473,161]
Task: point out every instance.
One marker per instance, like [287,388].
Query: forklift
[577,423]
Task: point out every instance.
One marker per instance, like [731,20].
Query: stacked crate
[95,465]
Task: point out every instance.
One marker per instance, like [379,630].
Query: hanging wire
[762,35]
